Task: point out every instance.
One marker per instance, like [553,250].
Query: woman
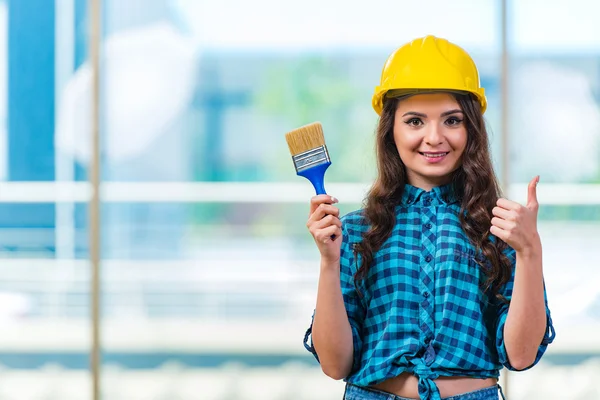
[437,283]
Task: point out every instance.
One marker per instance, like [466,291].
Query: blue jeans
[354,392]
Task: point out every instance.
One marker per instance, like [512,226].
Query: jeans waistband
[354,392]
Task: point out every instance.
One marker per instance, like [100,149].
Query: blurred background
[208,273]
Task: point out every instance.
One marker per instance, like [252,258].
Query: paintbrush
[309,153]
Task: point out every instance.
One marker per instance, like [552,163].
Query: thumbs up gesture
[517,224]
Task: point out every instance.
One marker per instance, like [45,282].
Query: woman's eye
[453,121]
[414,122]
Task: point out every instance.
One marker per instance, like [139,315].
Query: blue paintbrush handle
[316,176]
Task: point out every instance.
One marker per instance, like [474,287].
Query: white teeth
[434,155]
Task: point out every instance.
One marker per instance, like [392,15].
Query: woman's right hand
[323,223]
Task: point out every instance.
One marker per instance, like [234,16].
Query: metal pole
[505,143]
[505,151]
[64,219]
[94,205]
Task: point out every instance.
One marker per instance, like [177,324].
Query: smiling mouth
[434,155]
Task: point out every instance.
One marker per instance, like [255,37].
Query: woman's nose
[433,135]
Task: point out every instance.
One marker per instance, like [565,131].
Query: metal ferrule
[310,158]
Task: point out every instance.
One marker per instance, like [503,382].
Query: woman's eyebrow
[416,114]
[455,111]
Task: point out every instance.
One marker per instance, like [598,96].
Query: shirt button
[426,294]
[428,258]
[427,201]
[428,225]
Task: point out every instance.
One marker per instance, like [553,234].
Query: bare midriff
[406,385]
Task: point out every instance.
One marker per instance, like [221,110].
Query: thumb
[532,201]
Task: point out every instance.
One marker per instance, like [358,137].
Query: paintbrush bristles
[305,138]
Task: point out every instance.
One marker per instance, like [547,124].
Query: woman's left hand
[517,224]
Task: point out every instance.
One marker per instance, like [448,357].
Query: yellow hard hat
[428,64]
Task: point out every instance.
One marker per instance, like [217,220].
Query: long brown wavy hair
[474,183]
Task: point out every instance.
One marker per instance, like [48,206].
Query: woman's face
[431,136]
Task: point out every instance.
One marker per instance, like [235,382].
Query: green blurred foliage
[301,90]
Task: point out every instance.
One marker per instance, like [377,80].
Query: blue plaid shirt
[423,310]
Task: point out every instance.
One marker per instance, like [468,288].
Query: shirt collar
[439,195]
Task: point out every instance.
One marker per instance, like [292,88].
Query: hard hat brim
[378,98]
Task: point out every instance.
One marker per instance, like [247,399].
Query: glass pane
[44,273]
[554,93]
[555,132]
[213,292]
